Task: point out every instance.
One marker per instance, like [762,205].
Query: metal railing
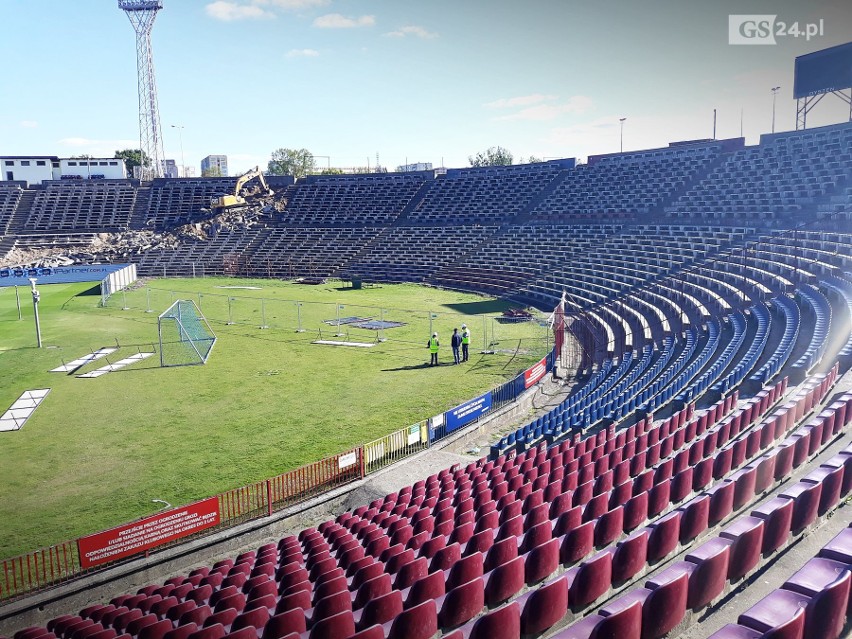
[396,446]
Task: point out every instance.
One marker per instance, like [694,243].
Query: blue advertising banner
[18,276]
[465,413]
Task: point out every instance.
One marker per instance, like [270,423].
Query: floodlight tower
[142,14]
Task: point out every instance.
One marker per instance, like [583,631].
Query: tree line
[301,162]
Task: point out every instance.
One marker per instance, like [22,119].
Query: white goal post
[185,336]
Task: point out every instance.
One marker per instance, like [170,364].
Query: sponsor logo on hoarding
[535,372]
[467,412]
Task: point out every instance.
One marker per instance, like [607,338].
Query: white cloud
[544,112]
[302,53]
[338,21]
[293,5]
[231,11]
[519,101]
[29,124]
[413,30]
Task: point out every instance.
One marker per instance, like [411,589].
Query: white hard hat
[464,325]
[434,335]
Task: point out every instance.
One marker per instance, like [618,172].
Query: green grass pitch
[99,450]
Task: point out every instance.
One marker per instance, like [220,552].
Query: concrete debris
[32,252]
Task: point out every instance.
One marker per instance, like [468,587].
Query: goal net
[185,336]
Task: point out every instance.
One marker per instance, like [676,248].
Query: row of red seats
[468,599]
[177,601]
[508,583]
[237,576]
[663,602]
[813,603]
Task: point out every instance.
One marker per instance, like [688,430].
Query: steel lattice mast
[142,14]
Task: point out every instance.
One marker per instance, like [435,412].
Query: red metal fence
[51,566]
[37,569]
[307,481]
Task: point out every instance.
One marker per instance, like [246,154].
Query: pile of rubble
[119,247]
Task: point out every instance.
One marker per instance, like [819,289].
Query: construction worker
[433,345]
[465,342]
[455,343]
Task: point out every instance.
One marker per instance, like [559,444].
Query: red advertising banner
[535,372]
[130,539]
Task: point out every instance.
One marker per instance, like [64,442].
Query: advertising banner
[130,539]
[18,276]
[467,412]
[535,372]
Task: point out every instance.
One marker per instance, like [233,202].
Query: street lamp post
[621,120]
[180,128]
[774,95]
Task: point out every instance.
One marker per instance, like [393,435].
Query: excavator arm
[230,201]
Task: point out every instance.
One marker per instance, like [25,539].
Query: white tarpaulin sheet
[127,361]
[20,411]
[70,367]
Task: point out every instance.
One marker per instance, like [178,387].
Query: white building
[92,169]
[29,168]
[35,169]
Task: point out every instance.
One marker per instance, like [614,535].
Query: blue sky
[422,81]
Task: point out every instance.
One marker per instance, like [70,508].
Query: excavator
[219,204]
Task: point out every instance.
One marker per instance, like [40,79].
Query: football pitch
[98,451]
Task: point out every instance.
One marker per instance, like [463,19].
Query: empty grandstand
[703,447]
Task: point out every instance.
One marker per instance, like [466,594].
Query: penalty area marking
[328,342]
[127,361]
[70,367]
[20,411]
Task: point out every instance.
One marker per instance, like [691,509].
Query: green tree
[531,160]
[295,162]
[494,156]
[331,171]
[132,158]
[213,171]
